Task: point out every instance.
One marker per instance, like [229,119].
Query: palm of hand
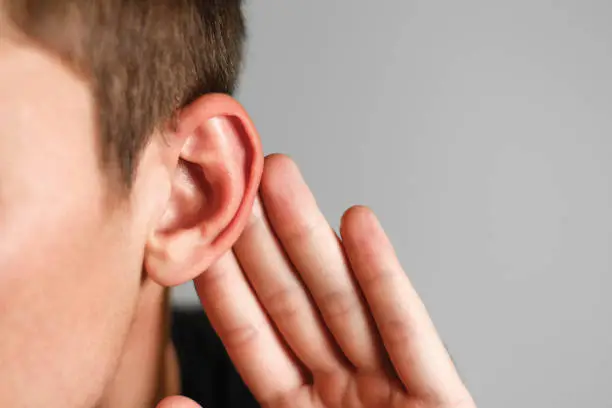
[361,390]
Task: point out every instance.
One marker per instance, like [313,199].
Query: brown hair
[144,59]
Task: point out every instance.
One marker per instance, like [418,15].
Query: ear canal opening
[195,183]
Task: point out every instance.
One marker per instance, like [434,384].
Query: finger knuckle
[375,279]
[338,304]
[299,232]
[397,332]
[241,337]
[283,303]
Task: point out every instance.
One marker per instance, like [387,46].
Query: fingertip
[278,158]
[277,165]
[356,217]
[178,402]
[358,210]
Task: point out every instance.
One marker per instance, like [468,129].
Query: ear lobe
[215,184]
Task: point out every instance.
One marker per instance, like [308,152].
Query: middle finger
[282,294]
[315,250]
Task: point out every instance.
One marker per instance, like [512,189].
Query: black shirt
[207,374]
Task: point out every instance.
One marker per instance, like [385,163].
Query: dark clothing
[207,374]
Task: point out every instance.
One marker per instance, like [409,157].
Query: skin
[56,235]
[337,320]
[83,269]
[309,319]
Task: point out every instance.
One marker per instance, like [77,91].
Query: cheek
[69,281]
[69,271]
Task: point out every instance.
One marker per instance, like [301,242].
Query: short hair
[144,60]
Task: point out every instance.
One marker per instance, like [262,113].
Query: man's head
[122,160]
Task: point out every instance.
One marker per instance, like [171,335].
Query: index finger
[259,354]
[409,336]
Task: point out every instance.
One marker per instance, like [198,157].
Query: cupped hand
[311,319]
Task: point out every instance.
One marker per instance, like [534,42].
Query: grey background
[480,131]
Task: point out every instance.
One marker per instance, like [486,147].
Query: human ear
[215,182]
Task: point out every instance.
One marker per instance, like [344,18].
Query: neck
[148,369]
